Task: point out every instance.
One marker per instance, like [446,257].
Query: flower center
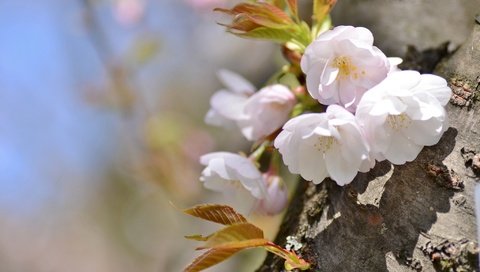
[346,67]
[236,185]
[324,143]
[398,122]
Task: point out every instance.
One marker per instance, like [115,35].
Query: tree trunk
[418,216]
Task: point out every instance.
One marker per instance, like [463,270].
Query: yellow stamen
[398,122]
[346,67]
[324,143]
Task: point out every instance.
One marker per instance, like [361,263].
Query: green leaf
[221,214]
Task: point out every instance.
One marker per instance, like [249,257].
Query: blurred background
[101,124]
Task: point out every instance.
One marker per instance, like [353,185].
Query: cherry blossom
[235,175]
[342,64]
[227,104]
[257,114]
[266,111]
[404,113]
[226,172]
[320,145]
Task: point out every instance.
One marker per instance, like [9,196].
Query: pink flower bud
[276,198]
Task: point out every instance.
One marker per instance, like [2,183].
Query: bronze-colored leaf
[217,213]
[277,35]
[233,234]
[321,8]
[210,258]
[197,237]
[267,11]
[241,244]
[292,261]
[262,21]
[293,6]
[242,23]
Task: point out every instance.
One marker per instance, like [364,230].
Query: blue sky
[47,132]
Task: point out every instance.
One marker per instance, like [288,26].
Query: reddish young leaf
[234,233]
[267,11]
[278,3]
[321,8]
[197,237]
[236,236]
[292,5]
[210,258]
[221,214]
[277,35]
[276,13]
[262,21]
[243,244]
[242,23]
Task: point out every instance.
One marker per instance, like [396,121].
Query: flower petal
[228,104]
[338,168]
[235,82]
[401,149]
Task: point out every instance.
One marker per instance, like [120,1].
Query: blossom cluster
[374,112]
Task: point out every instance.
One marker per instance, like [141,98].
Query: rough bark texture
[418,216]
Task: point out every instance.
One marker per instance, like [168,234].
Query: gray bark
[418,216]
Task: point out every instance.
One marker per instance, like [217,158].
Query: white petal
[306,120]
[328,75]
[436,86]
[314,74]
[338,168]
[227,104]
[392,106]
[425,132]
[362,34]
[288,146]
[394,62]
[423,106]
[335,32]
[311,164]
[355,148]
[235,82]
[404,79]
[215,119]
[401,149]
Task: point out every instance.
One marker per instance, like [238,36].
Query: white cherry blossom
[227,172]
[257,114]
[241,181]
[404,113]
[320,145]
[227,104]
[266,111]
[342,64]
